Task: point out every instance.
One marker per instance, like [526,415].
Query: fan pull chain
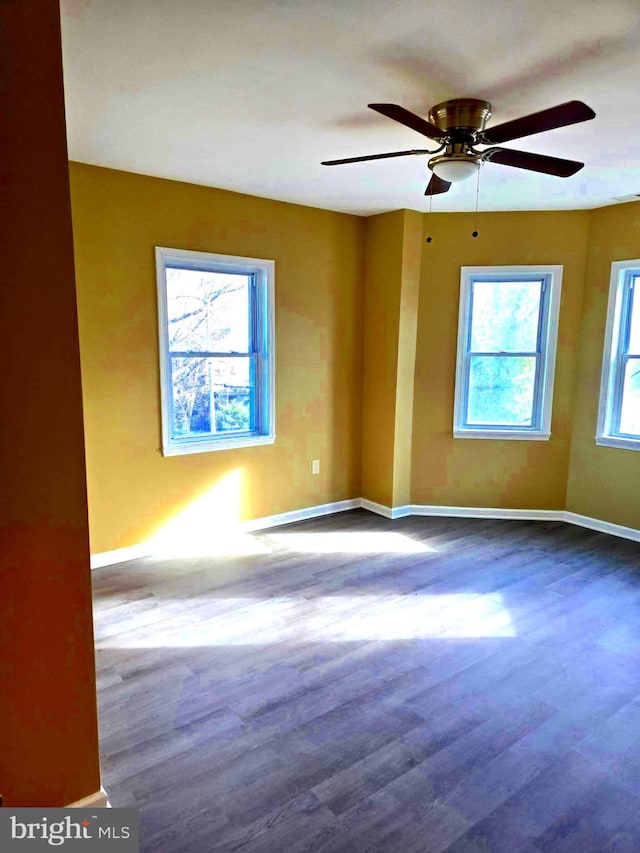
[427,259]
[474,233]
[429,239]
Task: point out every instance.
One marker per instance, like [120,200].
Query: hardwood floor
[357,684]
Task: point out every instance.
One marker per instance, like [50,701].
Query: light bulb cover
[454,169]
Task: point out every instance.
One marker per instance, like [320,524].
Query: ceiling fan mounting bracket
[468,114]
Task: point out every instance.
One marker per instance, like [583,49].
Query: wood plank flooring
[357,684]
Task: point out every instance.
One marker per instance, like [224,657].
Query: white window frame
[263,272]
[540,430]
[610,403]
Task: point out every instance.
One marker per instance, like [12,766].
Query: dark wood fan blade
[372,157]
[409,119]
[564,114]
[534,162]
[436,186]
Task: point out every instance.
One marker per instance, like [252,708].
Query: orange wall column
[48,724]
[392,280]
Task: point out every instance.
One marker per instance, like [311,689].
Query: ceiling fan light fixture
[454,169]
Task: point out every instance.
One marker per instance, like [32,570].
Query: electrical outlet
[315,466]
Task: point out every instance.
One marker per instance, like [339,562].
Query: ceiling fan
[459,125]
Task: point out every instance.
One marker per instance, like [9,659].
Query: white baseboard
[120,555]
[123,555]
[145,549]
[386,511]
[522,515]
[486,512]
[603,526]
[99,800]
[298,515]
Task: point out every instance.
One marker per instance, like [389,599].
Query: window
[506,351]
[619,410]
[216,351]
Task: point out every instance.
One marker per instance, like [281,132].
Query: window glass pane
[630,410]
[505,316]
[208,311]
[212,395]
[634,333]
[501,390]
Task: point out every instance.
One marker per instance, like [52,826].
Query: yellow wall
[383,275]
[603,481]
[407,338]
[366,333]
[392,282]
[488,473]
[133,490]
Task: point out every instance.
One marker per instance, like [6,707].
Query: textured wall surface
[134,492]
[491,473]
[604,482]
[383,285]
[362,384]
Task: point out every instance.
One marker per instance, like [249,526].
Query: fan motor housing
[467,113]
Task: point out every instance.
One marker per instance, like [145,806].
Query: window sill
[206,446]
[509,435]
[618,441]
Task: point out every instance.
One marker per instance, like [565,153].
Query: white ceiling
[250,95]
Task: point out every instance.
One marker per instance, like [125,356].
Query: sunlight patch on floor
[349,542]
[235,622]
[193,534]
[207,543]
